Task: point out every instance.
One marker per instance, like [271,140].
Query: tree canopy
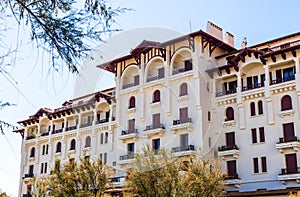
[77,179]
[66,29]
[160,174]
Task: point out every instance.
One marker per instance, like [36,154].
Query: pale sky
[258,20]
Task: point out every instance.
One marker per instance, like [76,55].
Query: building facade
[191,94]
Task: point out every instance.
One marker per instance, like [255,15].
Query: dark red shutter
[183,113]
[262,134]
[229,113]
[252,109]
[288,132]
[286,103]
[230,139]
[254,136]
[255,165]
[263,164]
[156,120]
[260,107]
[291,163]
[231,169]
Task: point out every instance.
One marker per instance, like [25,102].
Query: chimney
[214,30]
[229,39]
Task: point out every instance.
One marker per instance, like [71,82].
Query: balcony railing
[183,148]
[26,195]
[181,70]
[86,124]
[57,131]
[231,176]
[30,137]
[232,91]
[71,128]
[177,122]
[45,134]
[30,175]
[150,127]
[126,132]
[253,86]
[281,80]
[153,78]
[103,121]
[228,147]
[288,139]
[125,86]
[289,171]
[128,156]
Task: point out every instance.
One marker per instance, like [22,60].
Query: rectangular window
[130,148]
[183,114]
[231,169]
[156,144]
[105,158]
[156,120]
[30,171]
[101,158]
[263,164]
[136,79]
[288,132]
[255,165]
[43,151]
[131,125]
[45,167]
[262,134]
[42,168]
[262,79]
[184,140]
[254,135]
[230,139]
[47,148]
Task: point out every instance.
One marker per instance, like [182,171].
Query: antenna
[190,26]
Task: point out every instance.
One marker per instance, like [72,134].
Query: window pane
[264,164]
[262,134]
[254,136]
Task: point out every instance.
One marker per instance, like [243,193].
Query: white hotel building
[189,94]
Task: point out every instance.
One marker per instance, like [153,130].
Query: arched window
[73,144]
[252,109]
[88,141]
[106,137]
[58,147]
[183,89]
[156,96]
[32,152]
[229,114]
[286,103]
[101,138]
[260,107]
[131,102]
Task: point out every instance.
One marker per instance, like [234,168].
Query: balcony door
[288,132]
[156,120]
[131,125]
[231,169]
[291,163]
[230,139]
[184,140]
[183,113]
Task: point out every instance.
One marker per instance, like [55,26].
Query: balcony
[30,137]
[57,131]
[181,70]
[44,133]
[228,151]
[154,129]
[153,78]
[129,134]
[232,179]
[125,159]
[182,124]
[87,124]
[288,143]
[184,150]
[103,120]
[232,91]
[130,85]
[288,174]
[71,128]
[28,178]
[253,86]
[281,80]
